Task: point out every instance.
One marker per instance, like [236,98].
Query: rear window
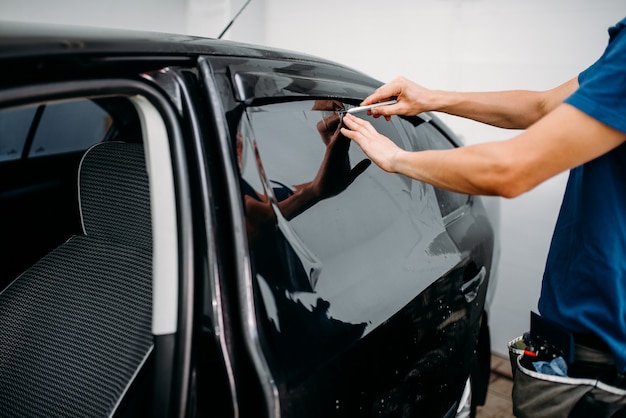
[51,128]
[14,127]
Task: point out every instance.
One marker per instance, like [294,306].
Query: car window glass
[14,127]
[426,136]
[55,128]
[69,126]
[336,268]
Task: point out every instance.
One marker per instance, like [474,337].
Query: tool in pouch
[537,394]
[549,340]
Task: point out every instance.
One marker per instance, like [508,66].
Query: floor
[498,403]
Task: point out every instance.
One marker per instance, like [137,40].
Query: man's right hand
[411,99]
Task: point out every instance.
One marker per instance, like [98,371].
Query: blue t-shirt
[584,283]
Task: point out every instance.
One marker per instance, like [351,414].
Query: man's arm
[563,139]
[516,109]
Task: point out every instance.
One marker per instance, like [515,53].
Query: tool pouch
[538,395]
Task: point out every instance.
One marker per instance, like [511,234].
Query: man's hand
[411,99]
[376,146]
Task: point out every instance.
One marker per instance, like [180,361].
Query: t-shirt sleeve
[602,91]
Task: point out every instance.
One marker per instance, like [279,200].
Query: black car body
[160,256]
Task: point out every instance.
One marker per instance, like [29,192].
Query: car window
[426,136]
[69,126]
[332,270]
[51,128]
[14,127]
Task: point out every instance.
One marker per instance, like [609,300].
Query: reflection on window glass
[68,127]
[344,245]
[302,336]
[14,127]
[425,136]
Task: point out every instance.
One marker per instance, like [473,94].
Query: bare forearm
[566,138]
[471,170]
[514,109]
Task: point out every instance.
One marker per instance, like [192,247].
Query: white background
[464,45]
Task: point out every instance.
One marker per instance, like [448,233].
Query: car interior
[76,297]
[39,189]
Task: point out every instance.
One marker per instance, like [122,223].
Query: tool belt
[544,385]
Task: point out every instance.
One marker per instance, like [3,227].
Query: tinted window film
[69,127]
[14,127]
[425,136]
[51,128]
[332,270]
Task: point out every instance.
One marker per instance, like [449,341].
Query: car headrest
[114,194]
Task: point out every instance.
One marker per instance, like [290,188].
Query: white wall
[151,15]
[445,44]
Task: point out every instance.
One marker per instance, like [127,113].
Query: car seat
[75,328]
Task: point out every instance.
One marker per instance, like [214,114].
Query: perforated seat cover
[76,326]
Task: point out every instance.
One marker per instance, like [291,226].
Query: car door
[363,297]
[368,299]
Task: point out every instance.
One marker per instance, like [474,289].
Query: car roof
[22,40]
[48,52]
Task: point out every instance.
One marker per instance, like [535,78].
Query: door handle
[470,288]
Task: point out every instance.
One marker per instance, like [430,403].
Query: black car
[186,233]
